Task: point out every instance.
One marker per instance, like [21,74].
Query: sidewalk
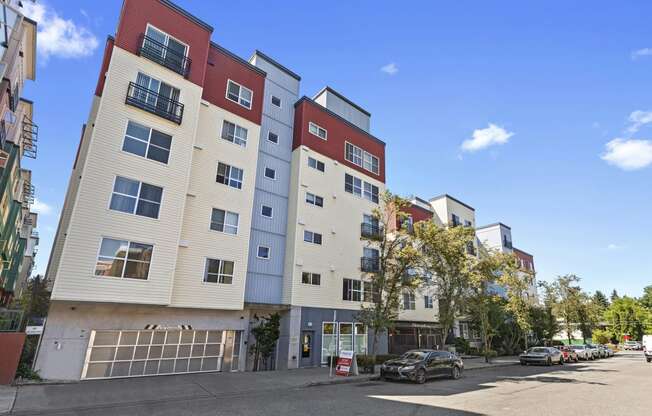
[87,394]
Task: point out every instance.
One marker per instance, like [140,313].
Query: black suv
[420,365]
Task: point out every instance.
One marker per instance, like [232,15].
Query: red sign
[344,363]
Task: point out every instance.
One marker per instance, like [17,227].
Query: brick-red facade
[418,213]
[526,258]
[106,59]
[135,16]
[338,132]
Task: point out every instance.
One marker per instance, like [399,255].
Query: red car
[570,356]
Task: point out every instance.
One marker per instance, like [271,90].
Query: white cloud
[391,68]
[628,154]
[639,53]
[613,246]
[483,138]
[638,119]
[41,207]
[57,36]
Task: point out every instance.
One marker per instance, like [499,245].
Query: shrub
[462,346]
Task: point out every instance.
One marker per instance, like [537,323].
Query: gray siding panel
[278,223]
[276,243]
[263,288]
[282,150]
[281,184]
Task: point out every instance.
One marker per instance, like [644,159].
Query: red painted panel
[136,14]
[222,67]
[11,346]
[106,59]
[528,259]
[338,132]
[418,213]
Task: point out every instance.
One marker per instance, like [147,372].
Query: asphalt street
[614,386]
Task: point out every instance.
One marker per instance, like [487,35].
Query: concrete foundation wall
[69,324]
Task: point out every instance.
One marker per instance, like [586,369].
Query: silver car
[595,352]
[583,353]
[542,355]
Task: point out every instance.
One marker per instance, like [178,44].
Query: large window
[146,142]
[164,49]
[427,302]
[342,336]
[360,342]
[224,221]
[136,197]
[315,200]
[352,290]
[239,94]
[409,301]
[317,131]
[233,133]
[311,278]
[359,157]
[218,271]
[312,237]
[229,175]
[125,259]
[316,164]
[358,187]
[156,94]
[328,340]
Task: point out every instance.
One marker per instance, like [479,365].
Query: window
[409,301]
[224,221]
[156,94]
[134,197]
[315,200]
[352,290]
[270,173]
[218,271]
[170,50]
[239,94]
[427,302]
[317,131]
[233,133]
[456,220]
[276,101]
[370,293]
[360,343]
[266,211]
[464,330]
[358,187]
[311,278]
[467,223]
[316,164]
[146,142]
[359,157]
[311,237]
[272,137]
[124,259]
[263,252]
[229,175]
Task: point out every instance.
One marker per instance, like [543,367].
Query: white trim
[246,140]
[311,124]
[226,184]
[269,252]
[210,221]
[149,142]
[271,101]
[137,197]
[205,272]
[187,50]
[268,206]
[277,137]
[265,173]
[226,94]
[362,155]
[121,277]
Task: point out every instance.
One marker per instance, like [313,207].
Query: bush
[600,336]
[462,346]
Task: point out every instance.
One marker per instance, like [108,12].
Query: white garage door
[133,353]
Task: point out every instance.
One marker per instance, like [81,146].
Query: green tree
[601,336]
[566,301]
[35,299]
[626,316]
[614,296]
[544,323]
[600,299]
[589,315]
[266,332]
[446,261]
[646,299]
[397,266]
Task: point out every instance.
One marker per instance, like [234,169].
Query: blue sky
[553,101]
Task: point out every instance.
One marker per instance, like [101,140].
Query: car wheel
[649,360]
[420,378]
[549,362]
[456,373]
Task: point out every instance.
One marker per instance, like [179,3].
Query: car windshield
[538,349]
[414,355]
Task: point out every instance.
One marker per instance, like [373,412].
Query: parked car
[602,350]
[647,347]
[583,353]
[595,353]
[570,356]
[542,355]
[632,345]
[420,365]
[609,351]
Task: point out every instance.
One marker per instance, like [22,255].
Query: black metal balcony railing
[163,55]
[155,103]
[370,264]
[371,231]
[30,137]
[28,194]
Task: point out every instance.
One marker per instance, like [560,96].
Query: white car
[583,353]
[632,345]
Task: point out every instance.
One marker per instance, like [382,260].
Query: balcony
[370,264]
[164,56]
[30,137]
[371,231]
[28,194]
[155,103]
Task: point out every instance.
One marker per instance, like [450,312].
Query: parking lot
[613,386]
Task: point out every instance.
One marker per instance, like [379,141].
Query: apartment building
[18,142]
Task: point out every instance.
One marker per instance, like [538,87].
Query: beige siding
[198,240]
[339,223]
[91,219]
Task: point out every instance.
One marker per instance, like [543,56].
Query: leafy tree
[627,316]
[601,336]
[646,299]
[266,333]
[397,263]
[544,323]
[614,296]
[35,299]
[566,301]
[589,315]
[445,259]
[600,299]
